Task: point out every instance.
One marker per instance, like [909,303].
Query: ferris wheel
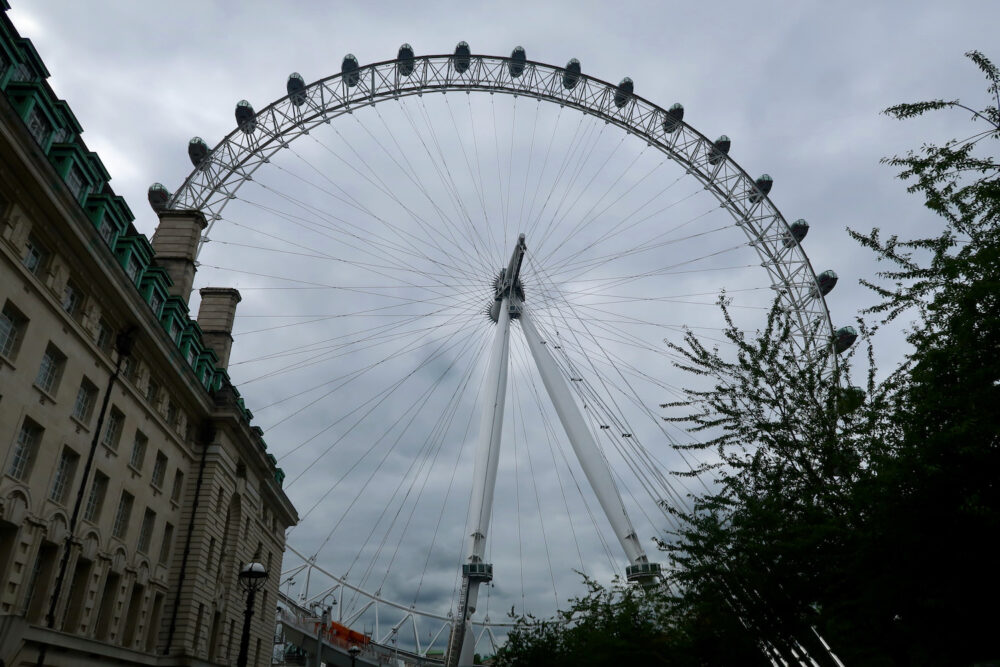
[458,272]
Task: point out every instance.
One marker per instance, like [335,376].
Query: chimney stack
[175,243]
[215,317]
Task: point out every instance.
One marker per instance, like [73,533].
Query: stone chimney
[215,317]
[175,243]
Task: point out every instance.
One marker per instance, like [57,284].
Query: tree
[791,444]
[870,523]
[937,495]
[626,625]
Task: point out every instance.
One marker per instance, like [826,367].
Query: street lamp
[354,650]
[251,579]
[324,624]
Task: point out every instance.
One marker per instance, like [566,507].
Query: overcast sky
[797,86]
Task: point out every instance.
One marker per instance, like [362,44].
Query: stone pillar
[175,243]
[215,317]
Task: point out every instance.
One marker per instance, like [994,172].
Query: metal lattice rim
[212,184]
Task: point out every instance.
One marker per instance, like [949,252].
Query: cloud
[391,248]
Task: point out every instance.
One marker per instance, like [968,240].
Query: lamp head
[252,576]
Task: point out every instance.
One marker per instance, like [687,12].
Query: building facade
[129,462]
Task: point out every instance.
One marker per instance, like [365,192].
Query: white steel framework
[233,162]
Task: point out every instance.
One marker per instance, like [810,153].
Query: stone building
[180,492]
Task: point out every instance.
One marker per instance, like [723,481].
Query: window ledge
[156,489]
[108,449]
[7,361]
[80,424]
[44,394]
[135,471]
[22,481]
[53,501]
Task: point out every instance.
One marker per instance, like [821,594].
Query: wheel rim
[234,163]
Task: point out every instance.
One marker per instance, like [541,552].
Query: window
[38,126]
[175,493]
[128,369]
[107,232]
[120,526]
[24,449]
[152,391]
[95,501]
[104,335]
[65,471]
[172,414]
[50,369]
[12,326]
[159,469]
[71,299]
[168,538]
[155,302]
[113,432]
[76,184]
[138,450]
[34,256]
[146,530]
[175,330]
[133,268]
[85,399]
[190,355]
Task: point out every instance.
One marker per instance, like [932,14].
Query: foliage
[625,625]
[869,524]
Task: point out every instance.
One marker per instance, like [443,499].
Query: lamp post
[321,630]
[252,578]
[354,650]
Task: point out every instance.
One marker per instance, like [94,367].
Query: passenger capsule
[405,58]
[825,282]
[158,196]
[719,150]
[672,121]
[571,75]
[462,59]
[197,151]
[296,88]
[844,338]
[763,184]
[349,70]
[246,119]
[516,64]
[623,92]
[796,232]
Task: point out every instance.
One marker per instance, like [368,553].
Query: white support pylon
[490,429]
[591,460]
[476,571]
[484,479]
